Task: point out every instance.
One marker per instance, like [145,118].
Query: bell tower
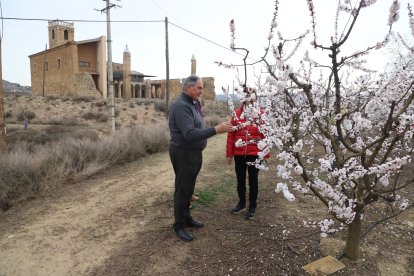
[193,65]
[60,32]
[126,71]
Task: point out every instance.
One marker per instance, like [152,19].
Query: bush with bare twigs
[24,173]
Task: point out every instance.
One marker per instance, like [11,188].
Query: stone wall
[70,86]
[176,88]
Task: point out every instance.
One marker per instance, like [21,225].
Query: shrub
[24,172]
[102,118]
[99,104]
[61,121]
[160,106]
[83,99]
[51,98]
[26,114]
[8,114]
[213,120]
[97,116]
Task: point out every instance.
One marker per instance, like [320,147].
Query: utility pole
[44,73]
[3,144]
[109,63]
[167,68]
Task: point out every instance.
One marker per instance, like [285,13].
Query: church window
[46,66]
[84,64]
[58,63]
[53,34]
[65,34]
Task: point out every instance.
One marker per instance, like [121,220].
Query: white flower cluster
[390,167]
[411,19]
[232,34]
[366,3]
[340,204]
[404,203]
[298,146]
[326,227]
[281,187]
[394,9]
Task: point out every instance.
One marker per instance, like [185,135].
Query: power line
[208,40]
[130,21]
[166,12]
[83,20]
[199,36]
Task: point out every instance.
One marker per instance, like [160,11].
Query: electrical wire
[166,12]
[82,20]
[199,36]
[127,21]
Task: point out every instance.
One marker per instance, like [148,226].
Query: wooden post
[44,73]
[3,144]
[167,68]
[109,65]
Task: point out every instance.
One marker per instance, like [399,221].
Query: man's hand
[223,127]
[229,159]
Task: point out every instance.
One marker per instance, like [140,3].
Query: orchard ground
[119,223]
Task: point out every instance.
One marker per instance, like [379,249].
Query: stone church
[72,69]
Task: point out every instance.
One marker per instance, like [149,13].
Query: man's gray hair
[190,81]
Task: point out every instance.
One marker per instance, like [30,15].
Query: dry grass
[70,139]
[32,168]
[213,120]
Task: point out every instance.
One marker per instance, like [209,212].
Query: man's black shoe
[250,213]
[195,224]
[183,234]
[238,208]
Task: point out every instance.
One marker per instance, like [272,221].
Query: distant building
[72,68]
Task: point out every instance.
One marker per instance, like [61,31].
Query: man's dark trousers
[187,164]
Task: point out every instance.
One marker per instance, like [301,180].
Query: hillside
[15,88]
[223,98]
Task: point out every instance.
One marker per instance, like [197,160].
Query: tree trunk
[3,145]
[352,242]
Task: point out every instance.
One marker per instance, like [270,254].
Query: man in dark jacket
[188,139]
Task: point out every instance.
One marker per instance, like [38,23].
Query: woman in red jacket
[248,152]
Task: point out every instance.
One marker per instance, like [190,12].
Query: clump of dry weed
[28,171]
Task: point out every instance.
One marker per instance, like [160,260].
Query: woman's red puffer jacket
[245,133]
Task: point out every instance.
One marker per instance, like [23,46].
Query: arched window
[53,34]
[65,34]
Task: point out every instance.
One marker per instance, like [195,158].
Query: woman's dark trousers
[241,167]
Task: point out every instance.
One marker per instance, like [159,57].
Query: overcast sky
[207,19]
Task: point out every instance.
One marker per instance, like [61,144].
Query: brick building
[72,68]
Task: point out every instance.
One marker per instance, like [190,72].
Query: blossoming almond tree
[362,121]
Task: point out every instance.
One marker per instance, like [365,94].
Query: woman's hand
[229,160]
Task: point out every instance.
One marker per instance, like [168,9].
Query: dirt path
[119,223]
[73,230]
